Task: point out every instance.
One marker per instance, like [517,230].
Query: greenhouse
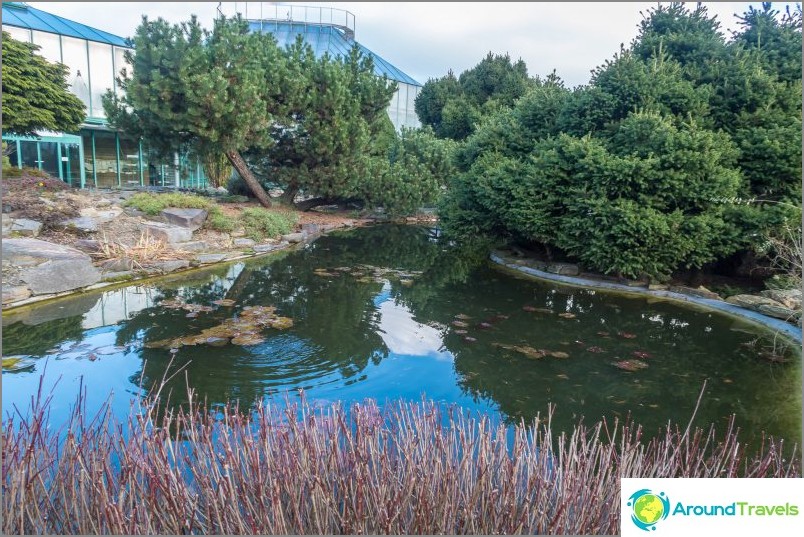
[97,156]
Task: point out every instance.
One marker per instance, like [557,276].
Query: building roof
[328,38]
[24,16]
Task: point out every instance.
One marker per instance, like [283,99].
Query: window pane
[86,137]
[106,159]
[71,164]
[50,158]
[30,157]
[51,48]
[74,52]
[20,34]
[13,157]
[129,163]
[101,74]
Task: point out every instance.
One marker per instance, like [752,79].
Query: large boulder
[789,298]
[168,233]
[48,268]
[191,219]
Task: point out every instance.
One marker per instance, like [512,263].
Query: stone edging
[776,325]
[147,277]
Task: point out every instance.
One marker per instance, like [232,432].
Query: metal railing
[266,13]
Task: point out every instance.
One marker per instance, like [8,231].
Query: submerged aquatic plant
[405,468]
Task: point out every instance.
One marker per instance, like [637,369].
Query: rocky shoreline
[96,249]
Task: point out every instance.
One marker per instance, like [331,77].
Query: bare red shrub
[407,468]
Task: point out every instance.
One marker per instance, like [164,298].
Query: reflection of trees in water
[335,318]
[20,338]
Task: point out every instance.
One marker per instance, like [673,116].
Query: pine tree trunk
[255,186]
[289,194]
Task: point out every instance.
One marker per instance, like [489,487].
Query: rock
[85,224]
[752,302]
[262,248]
[567,269]
[168,233]
[25,227]
[778,311]
[101,216]
[244,243]
[117,265]
[120,276]
[103,202]
[15,293]
[209,258]
[50,268]
[87,245]
[700,291]
[167,266]
[789,298]
[131,211]
[187,218]
[658,286]
[311,229]
[192,246]
[294,237]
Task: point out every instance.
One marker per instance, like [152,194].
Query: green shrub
[154,203]
[219,221]
[260,223]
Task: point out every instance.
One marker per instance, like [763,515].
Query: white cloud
[428,38]
[404,335]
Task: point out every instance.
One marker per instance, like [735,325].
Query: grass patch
[220,222]
[261,223]
[153,204]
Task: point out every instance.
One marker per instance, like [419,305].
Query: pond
[390,312]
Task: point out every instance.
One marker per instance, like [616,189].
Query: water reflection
[372,333]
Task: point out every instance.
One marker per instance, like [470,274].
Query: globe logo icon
[648,508]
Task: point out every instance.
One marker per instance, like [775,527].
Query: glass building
[330,30]
[97,155]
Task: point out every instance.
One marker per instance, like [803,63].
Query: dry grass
[407,468]
[146,249]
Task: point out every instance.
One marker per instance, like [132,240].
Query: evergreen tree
[215,92]
[36,94]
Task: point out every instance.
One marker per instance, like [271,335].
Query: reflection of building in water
[118,305]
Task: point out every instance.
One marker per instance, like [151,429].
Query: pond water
[391,312]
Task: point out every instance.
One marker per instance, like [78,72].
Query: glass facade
[101,61]
[106,164]
[50,45]
[74,54]
[402,107]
